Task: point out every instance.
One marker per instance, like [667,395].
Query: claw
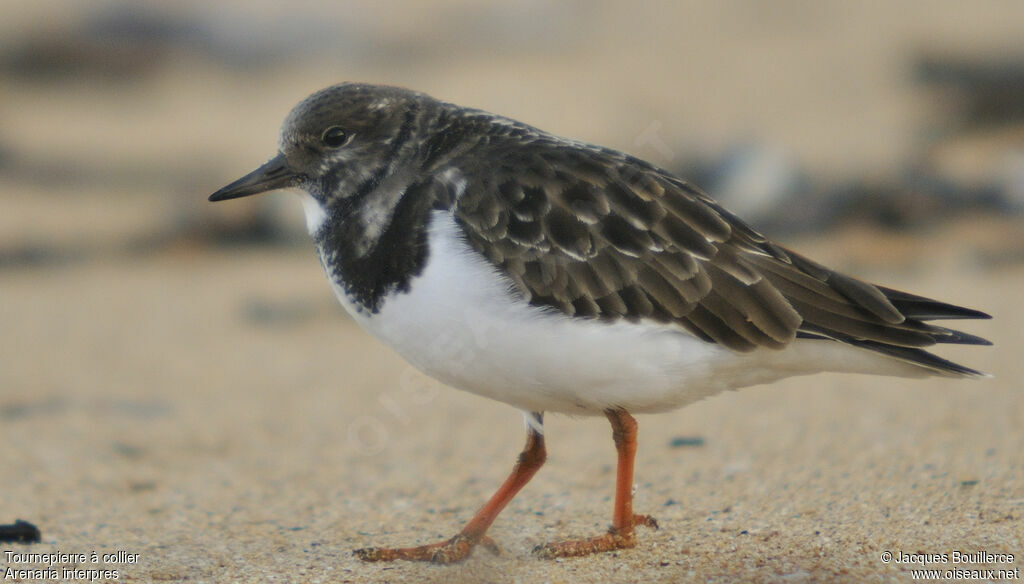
[490,546]
[615,539]
[449,551]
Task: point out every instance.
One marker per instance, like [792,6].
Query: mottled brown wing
[595,233]
[598,235]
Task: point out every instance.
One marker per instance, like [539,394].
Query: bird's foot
[615,539]
[449,551]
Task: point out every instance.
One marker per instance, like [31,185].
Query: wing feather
[598,234]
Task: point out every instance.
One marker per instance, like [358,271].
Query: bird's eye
[335,136]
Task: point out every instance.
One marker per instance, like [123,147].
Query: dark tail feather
[915,309]
[921,308]
[922,358]
[913,355]
[876,318]
[956,337]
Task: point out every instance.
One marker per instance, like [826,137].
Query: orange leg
[620,534]
[461,546]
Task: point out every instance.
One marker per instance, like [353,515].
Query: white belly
[460,324]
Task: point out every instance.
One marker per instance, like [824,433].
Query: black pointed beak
[273,175]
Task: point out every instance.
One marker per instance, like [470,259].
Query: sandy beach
[197,408]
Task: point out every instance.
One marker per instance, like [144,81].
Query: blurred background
[799,116]
[884,138]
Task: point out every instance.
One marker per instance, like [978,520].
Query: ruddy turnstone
[555,275]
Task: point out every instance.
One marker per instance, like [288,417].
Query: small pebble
[683,441]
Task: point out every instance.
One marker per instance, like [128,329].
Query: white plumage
[461,323]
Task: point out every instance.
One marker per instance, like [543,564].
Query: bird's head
[335,143]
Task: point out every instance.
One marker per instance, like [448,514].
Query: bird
[560,276]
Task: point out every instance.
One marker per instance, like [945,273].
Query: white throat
[316,216]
